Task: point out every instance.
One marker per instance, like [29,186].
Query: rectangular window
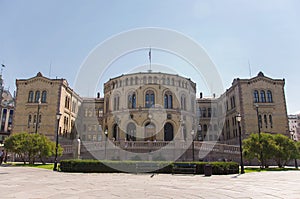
[203,112]
[209,112]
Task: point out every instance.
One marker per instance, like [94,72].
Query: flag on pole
[150,55]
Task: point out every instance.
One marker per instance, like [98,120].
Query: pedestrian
[1,156]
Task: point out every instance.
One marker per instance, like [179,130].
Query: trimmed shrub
[96,166]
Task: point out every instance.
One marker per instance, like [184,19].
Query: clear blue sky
[37,34]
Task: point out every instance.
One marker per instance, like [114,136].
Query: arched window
[256,96]
[155,80]
[269,96]
[37,96]
[168,81]
[168,100]
[30,96]
[107,105]
[150,80]
[271,121]
[131,100]
[116,103]
[116,132]
[131,132]
[144,80]
[136,80]
[44,96]
[126,82]
[67,101]
[266,121]
[29,120]
[262,96]
[149,99]
[131,81]
[183,102]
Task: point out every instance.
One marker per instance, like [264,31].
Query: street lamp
[193,150]
[239,118]
[259,138]
[37,117]
[106,133]
[58,115]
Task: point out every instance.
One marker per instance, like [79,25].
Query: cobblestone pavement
[25,182]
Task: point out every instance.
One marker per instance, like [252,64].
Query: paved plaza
[26,182]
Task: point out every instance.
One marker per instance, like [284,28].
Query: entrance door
[150,132]
[168,132]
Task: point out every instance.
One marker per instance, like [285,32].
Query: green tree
[47,148]
[262,149]
[17,144]
[298,150]
[286,150]
[29,147]
[270,147]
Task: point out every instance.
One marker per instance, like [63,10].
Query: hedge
[96,166]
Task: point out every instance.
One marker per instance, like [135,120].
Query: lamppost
[37,116]
[294,139]
[58,115]
[239,118]
[193,150]
[106,133]
[259,136]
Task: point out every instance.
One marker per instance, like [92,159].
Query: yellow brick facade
[153,106]
[55,97]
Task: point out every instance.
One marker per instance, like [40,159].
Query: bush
[31,147]
[96,166]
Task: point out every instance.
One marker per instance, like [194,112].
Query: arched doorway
[150,132]
[116,132]
[168,132]
[131,132]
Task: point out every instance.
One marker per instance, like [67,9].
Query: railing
[153,145]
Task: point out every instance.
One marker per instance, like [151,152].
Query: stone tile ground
[19,182]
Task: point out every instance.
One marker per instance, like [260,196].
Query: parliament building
[151,107]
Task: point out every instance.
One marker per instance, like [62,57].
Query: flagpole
[2,66]
[150,60]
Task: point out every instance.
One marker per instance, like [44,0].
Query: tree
[262,149]
[270,147]
[16,144]
[47,148]
[298,150]
[31,146]
[285,150]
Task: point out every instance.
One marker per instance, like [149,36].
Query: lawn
[257,169]
[42,166]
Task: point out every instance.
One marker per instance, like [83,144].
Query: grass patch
[252,169]
[41,166]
